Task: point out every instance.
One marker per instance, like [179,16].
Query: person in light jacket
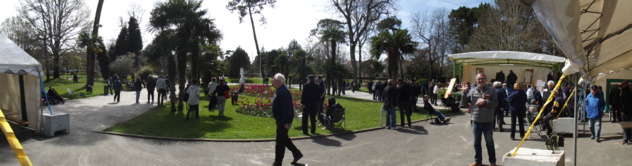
[595,104]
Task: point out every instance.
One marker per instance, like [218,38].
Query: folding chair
[337,118]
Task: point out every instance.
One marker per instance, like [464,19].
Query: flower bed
[261,106]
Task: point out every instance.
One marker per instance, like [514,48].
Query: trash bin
[105,90]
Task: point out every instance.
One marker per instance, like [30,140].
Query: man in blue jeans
[390,102]
[138,86]
[484,102]
[595,105]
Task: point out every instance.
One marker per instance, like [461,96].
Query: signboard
[449,91]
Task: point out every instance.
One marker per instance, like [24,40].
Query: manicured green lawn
[360,114]
[64,83]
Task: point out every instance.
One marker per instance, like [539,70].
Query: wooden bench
[19,122]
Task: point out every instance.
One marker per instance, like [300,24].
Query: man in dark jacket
[511,79]
[321,101]
[414,96]
[117,86]
[549,77]
[390,102]
[282,110]
[309,99]
[502,103]
[151,86]
[403,99]
[625,108]
[556,109]
[138,86]
[614,103]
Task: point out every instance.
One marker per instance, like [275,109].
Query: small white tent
[19,82]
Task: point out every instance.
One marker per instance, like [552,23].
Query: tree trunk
[55,65]
[401,68]
[360,62]
[46,57]
[393,59]
[252,23]
[195,63]
[182,71]
[91,56]
[353,61]
[171,72]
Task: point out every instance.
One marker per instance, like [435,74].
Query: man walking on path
[118,86]
[110,86]
[151,86]
[282,109]
[485,101]
[594,111]
[161,85]
[309,99]
[138,86]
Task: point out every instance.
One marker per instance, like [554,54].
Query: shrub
[123,65]
[144,72]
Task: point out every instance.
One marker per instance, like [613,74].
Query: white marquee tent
[528,67]
[19,82]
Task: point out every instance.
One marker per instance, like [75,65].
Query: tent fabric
[15,60]
[513,58]
[13,64]
[528,67]
[592,33]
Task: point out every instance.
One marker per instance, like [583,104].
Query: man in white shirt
[194,99]
[161,87]
[529,93]
[435,92]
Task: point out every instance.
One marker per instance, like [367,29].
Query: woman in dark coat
[518,109]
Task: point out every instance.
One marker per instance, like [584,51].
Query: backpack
[186,94]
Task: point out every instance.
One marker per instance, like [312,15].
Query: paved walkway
[423,144]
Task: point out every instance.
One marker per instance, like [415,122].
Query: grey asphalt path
[423,144]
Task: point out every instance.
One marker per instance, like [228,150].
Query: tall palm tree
[394,44]
[192,28]
[91,48]
[330,30]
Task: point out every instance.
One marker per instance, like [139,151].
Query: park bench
[22,124]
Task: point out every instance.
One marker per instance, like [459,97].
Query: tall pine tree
[120,48]
[134,39]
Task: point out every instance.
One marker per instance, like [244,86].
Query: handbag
[226,95]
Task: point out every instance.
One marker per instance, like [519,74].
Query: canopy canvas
[528,67]
[21,97]
[594,34]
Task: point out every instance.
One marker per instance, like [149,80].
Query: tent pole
[22,98]
[575,131]
[44,89]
